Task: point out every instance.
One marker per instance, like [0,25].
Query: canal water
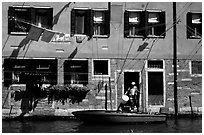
[182,125]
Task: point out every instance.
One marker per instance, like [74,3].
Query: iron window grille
[156,64]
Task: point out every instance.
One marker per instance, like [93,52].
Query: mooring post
[106,95]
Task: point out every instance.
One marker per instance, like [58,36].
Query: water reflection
[72,126]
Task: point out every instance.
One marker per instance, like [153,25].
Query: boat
[109,116]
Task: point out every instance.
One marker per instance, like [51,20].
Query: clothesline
[48,35]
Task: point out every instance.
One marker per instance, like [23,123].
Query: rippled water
[71,126]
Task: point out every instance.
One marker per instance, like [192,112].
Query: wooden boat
[105,116]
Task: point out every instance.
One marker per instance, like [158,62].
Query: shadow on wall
[23,44]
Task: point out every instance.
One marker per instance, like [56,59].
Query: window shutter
[50,18]
[144,24]
[89,23]
[33,16]
[161,27]
[126,23]
[189,24]
[73,19]
[200,27]
[107,22]
[11,23]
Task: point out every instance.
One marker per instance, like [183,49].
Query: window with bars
[20,18]
[156,64]
[76,72]
[17,71]
[194,25]
[196,67]
[90,22]
[144,24]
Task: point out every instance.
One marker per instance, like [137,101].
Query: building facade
[100,44]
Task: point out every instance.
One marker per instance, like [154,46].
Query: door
[130,77]
[155,88]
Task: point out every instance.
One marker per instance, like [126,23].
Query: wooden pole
[175,59]
[106,95]
[191,105]
[110,93]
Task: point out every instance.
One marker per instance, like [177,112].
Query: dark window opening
[76,72]
[100,67]
[20,71]
[155,88]
[194,25]
[21,18]
[196,67]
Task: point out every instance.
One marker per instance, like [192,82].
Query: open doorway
[132,77]
[155,88]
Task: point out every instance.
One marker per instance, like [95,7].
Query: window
[20,18]
[194,25]
[155,64]
[101,22]
[196,68]
[144,23]
[19,71]
[134,25]
[76,72]
[90,22]
[101,67]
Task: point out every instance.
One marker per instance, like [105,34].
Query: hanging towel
[47,35]
[35,33]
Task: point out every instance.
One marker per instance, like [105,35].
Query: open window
[156,24]
[144,23]
[194,25]
[134,23]
[20,18]
[101,23]
[90,22]
[81,22]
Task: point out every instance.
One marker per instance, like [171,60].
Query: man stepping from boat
[132,100]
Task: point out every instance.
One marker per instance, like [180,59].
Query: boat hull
[102,116]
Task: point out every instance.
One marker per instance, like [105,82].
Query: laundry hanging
[47,35]
[35,33]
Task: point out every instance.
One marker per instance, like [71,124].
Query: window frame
[89,23]
[106,23]
[145,24]
[29,19]
[88,30]
[189,26]
[191,68]
[93,68]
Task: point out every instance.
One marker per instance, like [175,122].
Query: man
[132,94]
